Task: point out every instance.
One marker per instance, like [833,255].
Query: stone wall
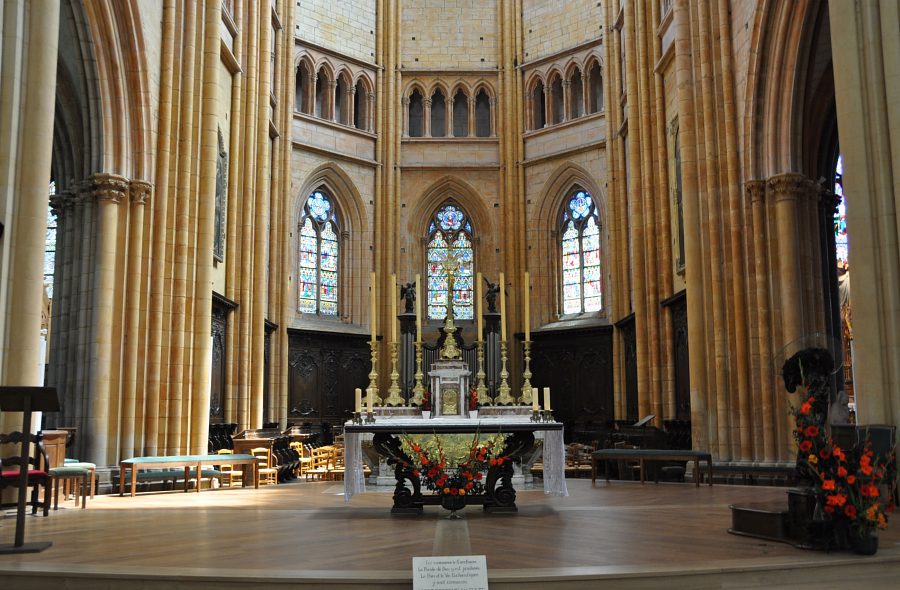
[449,34]
[347,27]
[551,26]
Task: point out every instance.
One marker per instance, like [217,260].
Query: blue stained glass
[318,206]
[431,228]
[591,273]
[592,258]
[328,308]
[592,289]
[307,275]
[328,293]
[437,254]
[580,204]
[468,227]
[463,283]
[308,305]
[308,291]
[437,282]
[571,276]
[450,218]
[329,278]
[437,312]
[308,260]
[842,245]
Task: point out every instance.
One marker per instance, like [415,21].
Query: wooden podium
[26,400]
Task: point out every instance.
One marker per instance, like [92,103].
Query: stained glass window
[580,250]
[840,216]
[318,267]
[450,234]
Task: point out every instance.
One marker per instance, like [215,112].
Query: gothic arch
[443,189]
[556,189]
[348,201]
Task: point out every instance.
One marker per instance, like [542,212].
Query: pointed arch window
[319,251]
[450,233]
[580,250]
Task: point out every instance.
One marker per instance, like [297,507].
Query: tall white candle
[370,400]
[419,292]
[502,308]
[527,306]
[394,297]
[534,399]
[374,306]
[358,394]
[478,315]
[547,407]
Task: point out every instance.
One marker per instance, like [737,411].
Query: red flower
[829,509]
[836,500]
[478,476]
[839,453]
[865,468]
[842,471]
[806,408]
[416,472]
[870,490]
[425,461]
[851,479]
[825,453]
[469,485]
[492,462]
[828,485]
[850,511]
[805,446]
[812,431]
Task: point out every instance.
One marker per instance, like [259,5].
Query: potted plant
[474,404]
[425,406]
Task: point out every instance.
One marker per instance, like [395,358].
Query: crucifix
[450,265]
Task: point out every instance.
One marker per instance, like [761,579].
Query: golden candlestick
[504,399]
[418,389]
[525,398]
[393,398]
[480,387]
[373,374]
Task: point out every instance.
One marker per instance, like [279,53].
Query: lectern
[26,400]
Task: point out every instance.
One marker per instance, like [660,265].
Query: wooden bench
[644,455]
[191,464]
[174,475]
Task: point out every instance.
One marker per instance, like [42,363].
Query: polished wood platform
[625,535]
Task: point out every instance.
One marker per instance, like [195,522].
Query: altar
[499,494]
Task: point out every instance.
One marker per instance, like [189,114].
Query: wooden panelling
[324,369]
[577,366]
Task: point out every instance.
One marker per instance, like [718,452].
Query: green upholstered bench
[190,466]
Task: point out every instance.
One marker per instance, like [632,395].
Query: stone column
[471,104]
[351,107]
[131,424]
[756,193]
[61,204]
[405,123]
[548,106]
[567,100]
[426,123]
[788,189]
[493,116]
[529,112]
[332,107]
[109,189]
[370,112]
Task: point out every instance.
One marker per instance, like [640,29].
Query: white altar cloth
[554,448]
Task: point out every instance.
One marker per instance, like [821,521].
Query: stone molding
[140,191]
[790,186]
[756,190]
[109,187]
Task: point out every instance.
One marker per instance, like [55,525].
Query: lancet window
[450,234]
[319,250]
[580,250]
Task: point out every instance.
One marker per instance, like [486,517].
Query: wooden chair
[304,461]
[230,475]
[321,462]
[78,476]
[337,463]
[267,473]
[10,469]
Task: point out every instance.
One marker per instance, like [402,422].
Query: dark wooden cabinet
[324,369]
[577,367]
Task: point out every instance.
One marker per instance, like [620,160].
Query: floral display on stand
[451,470]
[847,483]
[474,404]
[425,406]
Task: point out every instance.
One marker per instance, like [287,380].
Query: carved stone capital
[371,96]
[62,202]
[405,100]
[756,190]
[140,191]
[790,186]
[332,84]
[427,102]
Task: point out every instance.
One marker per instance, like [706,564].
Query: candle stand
[372,389]
[480,387]
[393,398]
[525,398]
[418,389]
[504,399]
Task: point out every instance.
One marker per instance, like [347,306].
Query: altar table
[499,494]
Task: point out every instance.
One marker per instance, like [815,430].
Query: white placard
[464,572]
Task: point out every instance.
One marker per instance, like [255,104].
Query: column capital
[140,191]
[109,187]
[790,186]
[404,100]
[351,90]
[332,84]
[371,96]
[62,202]
[756,190]
[427,102]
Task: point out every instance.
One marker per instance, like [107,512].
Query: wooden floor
[617,535]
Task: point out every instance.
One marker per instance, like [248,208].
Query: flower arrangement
[849,486]
[474,404]
[440,475]
[425,406]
